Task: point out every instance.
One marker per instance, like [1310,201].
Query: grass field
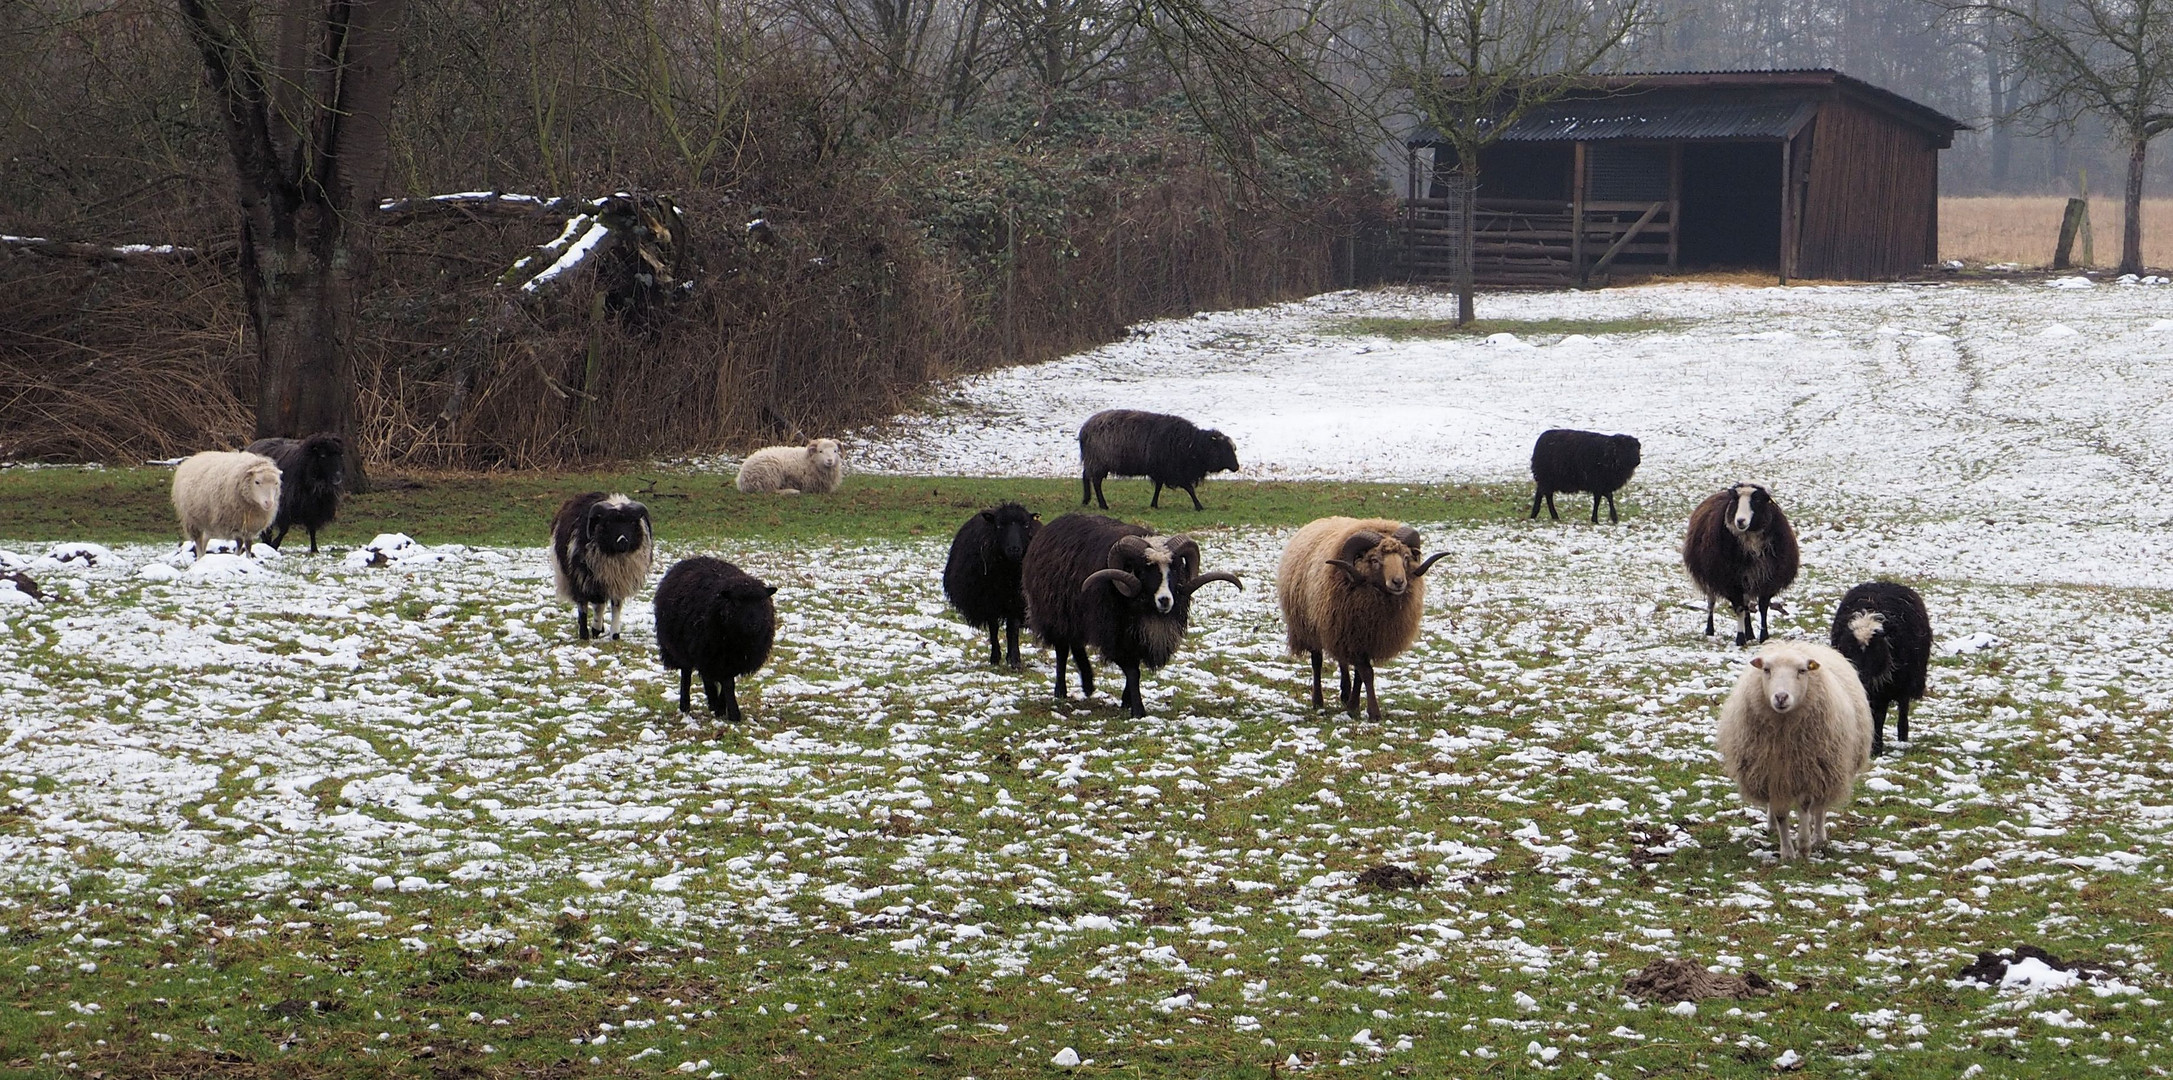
[350,822]
[2024,229]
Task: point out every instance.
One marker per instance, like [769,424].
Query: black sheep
[1740,548]
[1168,450]
[1883,629]
[1565,460]
[717,619]
[1092,580]
[601,548]
[311,471]
[982,575]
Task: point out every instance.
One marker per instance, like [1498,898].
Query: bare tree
[2112,59]
[307,123]
[1473,68]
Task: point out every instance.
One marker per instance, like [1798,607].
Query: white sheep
[789,470]
[1794,734]
[224,494]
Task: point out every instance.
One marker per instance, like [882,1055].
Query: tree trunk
[310,142]
[2131,230]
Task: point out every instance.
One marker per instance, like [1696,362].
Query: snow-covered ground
[345,730]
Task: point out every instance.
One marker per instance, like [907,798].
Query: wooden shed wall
[1871,200]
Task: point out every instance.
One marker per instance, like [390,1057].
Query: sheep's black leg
[732,715]
[1709,616]
[312,540]
[281,538]
[1060,654]
[1011,640]
[1901,725]
[581,612]
[1878,727]
[1086,670]
[1195,499]
[1765,603]
[686,689]
[1133,699]
[1100,501]
[1612,519]
[1742,625]
[1373,704]
[995,651]
[1346,692]
[1596,508]
[1551,515]
[1156,502]
[1316,679]
[1086,487]
[1537,494]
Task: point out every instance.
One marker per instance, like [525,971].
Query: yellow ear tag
[1811,665]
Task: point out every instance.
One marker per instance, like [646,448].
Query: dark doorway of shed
[1732,206]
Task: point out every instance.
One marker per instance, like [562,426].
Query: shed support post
[1674,206]
[1576,213]
[1788,210]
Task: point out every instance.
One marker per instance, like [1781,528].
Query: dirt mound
[1391,876]
[1687,980]
[1990,968]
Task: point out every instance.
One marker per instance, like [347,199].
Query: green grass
[1414,329]
[119,505]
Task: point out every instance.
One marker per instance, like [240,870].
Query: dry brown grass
[2023,229]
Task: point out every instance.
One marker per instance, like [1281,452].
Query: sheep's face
[1157,567]
[1752,507]
[1874,648]
[1787,677]
[618,526]
[1386,565]
[328,462]
[1221,452]
[262,486]
[823,454]
[1623,451]
[1014,528]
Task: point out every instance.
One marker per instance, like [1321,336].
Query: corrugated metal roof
[1594,121]
[1609,119]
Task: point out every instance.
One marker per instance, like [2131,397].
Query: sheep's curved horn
[1123,579]
[1408,537]
[1126,550]
[1430,561]
[1358,543]
[1350,568]
[1213,575]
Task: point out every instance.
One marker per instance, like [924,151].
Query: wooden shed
[1801,174]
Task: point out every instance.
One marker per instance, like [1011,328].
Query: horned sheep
[1740,548]
[1353,589]
[1793,736]
[813,469]
[1122,589]
[714,618]
[225,495]
[1169,450]
[601,549]
[311,471]
[1883,629]
[1566,460]
[981,576]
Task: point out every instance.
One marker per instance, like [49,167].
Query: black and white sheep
[1092,580]
[1740,548]
[225,495]
[981,577]
[813,469]
[1794,734]
[1566,460]
[1883,629]
[1354,589]
[601,549]
[1168,450]
[311,471]
[717,619]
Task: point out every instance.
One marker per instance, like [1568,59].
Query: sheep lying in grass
[791,470]
[311,471]
[717,619]
[1882,627]
[225,495]
[601,549]
[1354,589]
[1793,736]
